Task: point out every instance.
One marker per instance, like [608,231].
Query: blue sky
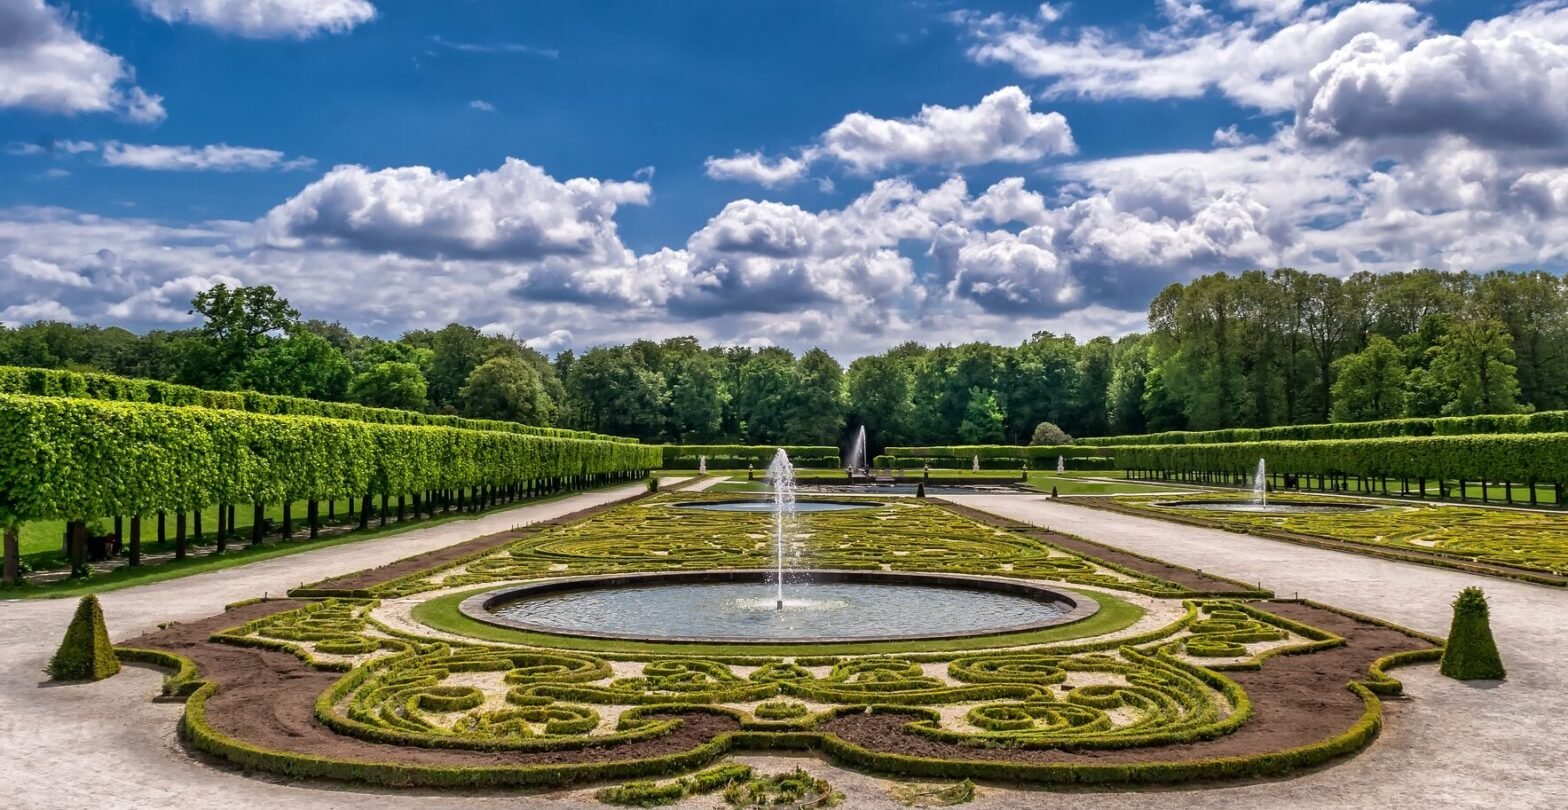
[756,172]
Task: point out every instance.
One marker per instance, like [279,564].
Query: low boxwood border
[200,734]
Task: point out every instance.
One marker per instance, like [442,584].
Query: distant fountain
[702,465]
[974,465]
[857,453]
[1061,464]
[781,479]
[1260,485]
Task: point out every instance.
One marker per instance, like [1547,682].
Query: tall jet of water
[857,452]
[975,464]
[781,479]
[702,465]
[1061,464]
[1260,485]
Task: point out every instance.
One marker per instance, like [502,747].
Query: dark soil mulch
[268,699]
[1296,700]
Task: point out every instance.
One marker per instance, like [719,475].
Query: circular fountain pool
[1277,508]
[769,506]
[740,607]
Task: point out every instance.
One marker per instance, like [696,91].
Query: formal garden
[403,677]
[689,606]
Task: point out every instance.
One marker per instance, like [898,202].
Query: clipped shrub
[648,793]
[1049,434]
[653,484]
[1471,654]
[85,654]
[920,490]
[794,789]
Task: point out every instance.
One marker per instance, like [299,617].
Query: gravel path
[108,745]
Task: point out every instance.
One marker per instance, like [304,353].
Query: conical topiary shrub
[85,654]
[1471,654]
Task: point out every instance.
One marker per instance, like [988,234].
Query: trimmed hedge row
[73,459]
[1036,455]
[1518,458]
[1542,422]
[45,382]
[888,462]
[732,456]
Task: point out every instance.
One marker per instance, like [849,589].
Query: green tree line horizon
[1255,349]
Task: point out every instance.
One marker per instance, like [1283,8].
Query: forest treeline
[1258,349]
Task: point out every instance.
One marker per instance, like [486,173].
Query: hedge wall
[63,458]
[55,383]
[1036,455]
[1543,422]
[733,456]
[1516,458]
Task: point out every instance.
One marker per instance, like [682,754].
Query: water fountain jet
[781,479]
[1061,464]
[857,453]
[1260,485]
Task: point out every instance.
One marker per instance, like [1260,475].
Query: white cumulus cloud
[516,211]
[215,157]
[265,19]
[47,65]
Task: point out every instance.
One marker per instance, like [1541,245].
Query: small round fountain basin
[1280,508]
[769,506]
[740,607]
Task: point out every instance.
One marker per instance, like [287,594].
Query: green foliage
[982,418]
[1471,653]
[300,365]
[1474,360]
[85,654]
[793,789]
[1370,384]
[816,402]
[389,385]
[508,389]
[1542,422]
[1520,458]
[655,794]
[70,458]
[52,383]
[238,323]
[737,456]
[1048,434]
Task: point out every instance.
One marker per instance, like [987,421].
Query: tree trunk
[134,548]
[383,509]
[163,535]
[313,514]
[196,518]
[288,520]
[179,534]
[364,513]
[223,529]
[258,521]
[76,530]
[13,556]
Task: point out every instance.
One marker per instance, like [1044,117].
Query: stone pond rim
[480,607]
[759,505]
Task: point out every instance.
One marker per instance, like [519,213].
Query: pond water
[747,611]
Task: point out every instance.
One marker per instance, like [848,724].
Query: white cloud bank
[47,65]
[1001,128]
[265,19]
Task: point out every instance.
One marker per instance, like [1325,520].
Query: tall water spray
[1260,485]
[974,465]
[857,452]
[702,465]
[1061,464]
[781,479]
